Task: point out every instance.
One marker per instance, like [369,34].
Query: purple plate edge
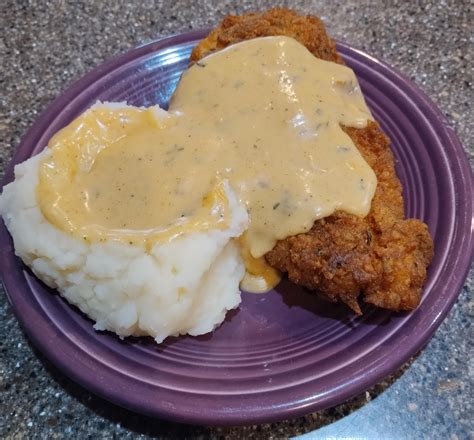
[233,418]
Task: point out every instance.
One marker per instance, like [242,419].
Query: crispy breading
[308,30]
[381,257]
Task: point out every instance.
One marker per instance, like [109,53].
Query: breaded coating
[308,30]
[382,258]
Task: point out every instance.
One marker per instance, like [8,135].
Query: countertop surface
[46,45]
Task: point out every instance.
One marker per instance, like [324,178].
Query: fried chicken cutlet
[380,259]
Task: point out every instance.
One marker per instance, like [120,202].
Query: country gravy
[264,114]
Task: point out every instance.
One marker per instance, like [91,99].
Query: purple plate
[285,353]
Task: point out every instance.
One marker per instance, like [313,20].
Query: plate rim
[101,70]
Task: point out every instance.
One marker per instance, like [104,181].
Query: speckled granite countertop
[44,46]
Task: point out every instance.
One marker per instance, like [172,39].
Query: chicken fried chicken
[380,259]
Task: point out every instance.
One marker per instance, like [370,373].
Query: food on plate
[381,256]
[267,160]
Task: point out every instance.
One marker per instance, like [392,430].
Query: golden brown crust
[382,256]
[307,29]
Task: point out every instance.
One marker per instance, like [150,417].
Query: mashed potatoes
[182,286]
